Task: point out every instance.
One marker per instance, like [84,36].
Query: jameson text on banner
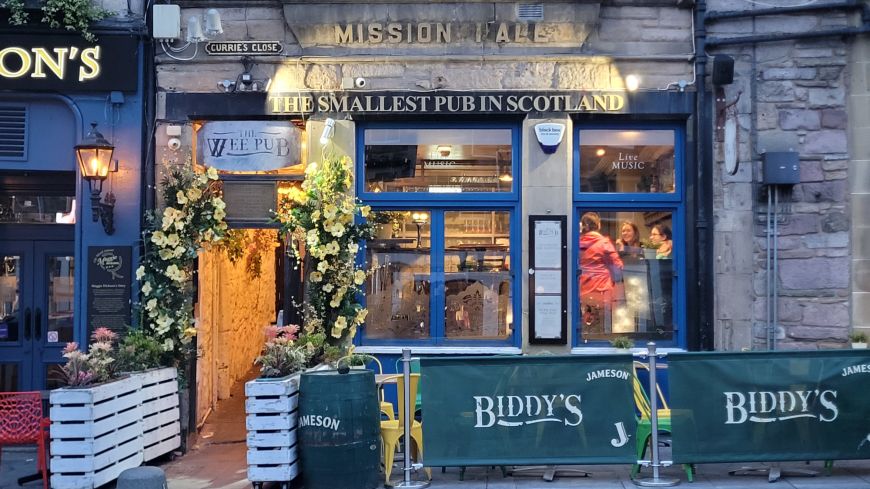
[770,406]
[528,410]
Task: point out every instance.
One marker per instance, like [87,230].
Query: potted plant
[71,15]
[270,407]
[858,339]
[622,343]
[95,431]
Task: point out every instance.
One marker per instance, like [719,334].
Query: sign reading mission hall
[445,102]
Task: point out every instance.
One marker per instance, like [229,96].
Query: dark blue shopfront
[55,253]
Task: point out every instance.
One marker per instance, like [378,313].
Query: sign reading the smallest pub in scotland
[243,48]
[249,145]
[528,410]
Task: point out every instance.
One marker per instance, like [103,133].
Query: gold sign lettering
[42,63]
[438,103]
[441,32]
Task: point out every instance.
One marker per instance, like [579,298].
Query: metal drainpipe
[736,14]
[704,187]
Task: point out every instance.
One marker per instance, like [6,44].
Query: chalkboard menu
[109,283]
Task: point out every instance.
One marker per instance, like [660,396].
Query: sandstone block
[834,119]
[789,74]
[835,222]
[791,119]
[818,333]
[816,314]
[776,91]
[826,97]
[829,191]
[800,224]
[826,240]
[814,273]
[322,77]
[826,141]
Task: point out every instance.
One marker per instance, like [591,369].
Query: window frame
[633,202]
[679,164]
[437,205]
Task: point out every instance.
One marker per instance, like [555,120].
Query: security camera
[174,144]
[359,82]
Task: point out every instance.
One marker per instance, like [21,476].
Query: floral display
[281,355]
[322,219]
[96,366]
[193,217]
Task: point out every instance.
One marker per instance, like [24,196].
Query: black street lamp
[94,155]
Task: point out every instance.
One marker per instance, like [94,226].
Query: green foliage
[322,216]
[96,366]
[857,337]
[281,354]
[192,220]
[139,351]
[71,15]
[622,342]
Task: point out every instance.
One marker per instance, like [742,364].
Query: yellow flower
[329,211]
[336,333]
[359,277]
[364,210]
[332,248]
[341,322]
[338,230]
[165,254]
[175,273]
[212,173]
[334,303]
[323,267]
[181,197]
[353,248]
[178,251]
[146,288]
[328,288]
[315,215]
[179,225]
[151,304]
[218,203]
[172,240]
[361,315]
[219,213]
[316,277]
[158,238]
[140,272]
[194,193]
[189,332]
[311,168]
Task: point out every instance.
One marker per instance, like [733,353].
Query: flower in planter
[98,365]
[281,355]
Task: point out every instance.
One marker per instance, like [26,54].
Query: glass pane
[9,297]
[9,377]
[34,209]
[627,161]
[626,275]
[61,270]
[438,160]
[397,290]
[477,277]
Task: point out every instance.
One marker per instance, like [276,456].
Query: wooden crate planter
[271,423]
[96,433]
[161,427]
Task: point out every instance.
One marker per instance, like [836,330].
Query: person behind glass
[660,236]
[628,244]
[600,265]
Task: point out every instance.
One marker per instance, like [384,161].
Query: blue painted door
[36,311]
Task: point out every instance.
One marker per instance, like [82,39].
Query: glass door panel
[477,275]
[399,283]
[61,273]
[10,298]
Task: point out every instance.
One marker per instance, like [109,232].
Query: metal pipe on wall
[736,14]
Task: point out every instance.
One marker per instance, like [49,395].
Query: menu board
[548,311]
[109,283]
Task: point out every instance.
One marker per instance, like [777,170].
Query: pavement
[216,459]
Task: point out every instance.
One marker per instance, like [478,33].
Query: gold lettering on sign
[440,33]
[422,103]
[45,63]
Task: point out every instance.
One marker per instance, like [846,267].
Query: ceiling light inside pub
[632,82]
[506,177]
[444,150]
[599,152]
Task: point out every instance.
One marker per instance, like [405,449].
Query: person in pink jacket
[600,269]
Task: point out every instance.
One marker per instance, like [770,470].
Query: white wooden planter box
[271,423]
[161,428]
[96,433]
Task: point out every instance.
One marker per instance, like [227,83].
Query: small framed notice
[548,277]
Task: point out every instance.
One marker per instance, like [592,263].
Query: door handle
[27,324]
[38,328]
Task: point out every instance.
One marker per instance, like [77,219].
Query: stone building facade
[795,93]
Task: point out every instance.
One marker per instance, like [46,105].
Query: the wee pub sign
[249,145]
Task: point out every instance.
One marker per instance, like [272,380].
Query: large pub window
[443,263]
[628,214]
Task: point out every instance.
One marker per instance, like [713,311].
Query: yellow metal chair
[644,423]
[386,407]
[393,430]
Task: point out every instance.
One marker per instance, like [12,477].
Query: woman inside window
[660,236]
[600,268]
[628,244]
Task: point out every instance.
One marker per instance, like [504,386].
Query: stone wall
[792,97]
[234,308]
[859,181]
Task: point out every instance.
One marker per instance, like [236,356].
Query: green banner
[771,406]
[528,410]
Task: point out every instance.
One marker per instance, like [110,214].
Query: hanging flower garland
[322,220]
[192,219]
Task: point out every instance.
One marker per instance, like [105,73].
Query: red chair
[21,423]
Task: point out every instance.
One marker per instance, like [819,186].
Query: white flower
[158,238]
[172,240]
[151,304]
[315,277]
[359,277]
[194,193]
[328,287]
[140,272]
[338,230]
[181,197]
[218,203]
[219,213]
[146,288]
[175,273]
[322,267]
[353,248]
[212,173]
[168,344]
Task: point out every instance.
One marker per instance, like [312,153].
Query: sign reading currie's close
[244,48]
[249,145]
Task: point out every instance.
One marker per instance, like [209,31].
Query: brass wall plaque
[250,201]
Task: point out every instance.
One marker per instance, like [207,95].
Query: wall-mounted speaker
[723,70]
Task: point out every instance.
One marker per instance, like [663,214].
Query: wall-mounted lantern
[94,155]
